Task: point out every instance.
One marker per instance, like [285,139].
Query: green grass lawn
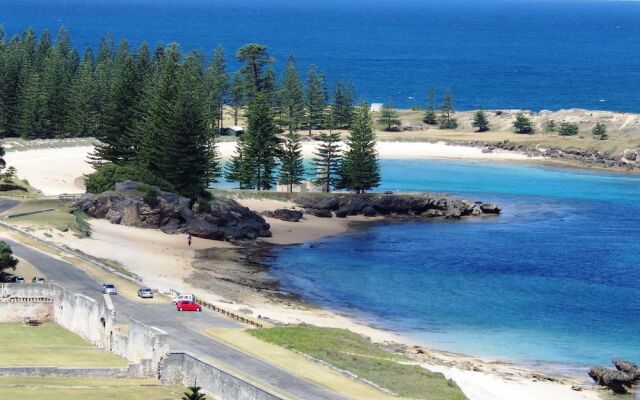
[17,188]
[352,352]
[58,218]
[51,346]
[86,389]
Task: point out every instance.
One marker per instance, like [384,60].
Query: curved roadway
[184,329]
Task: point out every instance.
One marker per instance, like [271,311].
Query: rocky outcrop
[126,205]
[284,214]
[628,159]
[619,380]
[371,205]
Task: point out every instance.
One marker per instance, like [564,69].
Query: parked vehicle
[37,279]
[145,293]
[18,279]
[184,305]
[183,297]
[109,288]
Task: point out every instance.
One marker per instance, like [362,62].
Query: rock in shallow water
[425,205]
[619,380]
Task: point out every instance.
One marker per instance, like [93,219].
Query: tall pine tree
[389,116]
[430,117]
[262,145]
[447,111]
[480,121]
[316,100]
[343,98]
[255,58]
[236,96]
[32,108]
[82,113]
[291,98]
[236,169]
[291,161]
[118,141]
[188,147]
[217,86]
[360,170]
[159,123]
[327,158]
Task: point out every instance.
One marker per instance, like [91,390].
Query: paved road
[6,204]
[183,328]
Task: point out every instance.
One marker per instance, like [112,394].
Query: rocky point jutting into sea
[228,220]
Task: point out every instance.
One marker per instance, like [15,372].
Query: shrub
[523,124]
[600,130]
[6,258]
[568,129]
[451,123]
[550,126]
[106,176]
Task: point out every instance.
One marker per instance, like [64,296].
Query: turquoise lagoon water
[555,279]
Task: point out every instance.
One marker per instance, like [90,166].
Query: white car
[184,297]
[145,293]
[37,279]
[109,288]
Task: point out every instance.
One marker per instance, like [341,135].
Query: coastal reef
[130,204]
[413,205]
[619,380]
[629,158]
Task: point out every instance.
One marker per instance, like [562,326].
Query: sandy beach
[413,151]
[52,171]
[60,170]
[220,273]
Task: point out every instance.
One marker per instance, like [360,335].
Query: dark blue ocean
[555,279]
[492,54]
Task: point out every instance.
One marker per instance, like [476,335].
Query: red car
[184,305]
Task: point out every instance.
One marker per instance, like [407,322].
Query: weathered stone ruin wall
[143,345]
[93,320]
[146,347]
[184,369]
[18,302]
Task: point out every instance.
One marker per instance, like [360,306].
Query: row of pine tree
[157,112]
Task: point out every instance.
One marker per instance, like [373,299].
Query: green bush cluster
[106,176]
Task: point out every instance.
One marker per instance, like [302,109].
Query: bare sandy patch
[52,171]
[412,151]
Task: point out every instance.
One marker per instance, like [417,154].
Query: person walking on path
[189,240]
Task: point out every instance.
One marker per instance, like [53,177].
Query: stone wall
[91,319]
[89,373]
[94,320]
[184,369]
[18,302]
[143,344]
[146,347]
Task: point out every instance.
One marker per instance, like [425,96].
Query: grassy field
[622,130]
[57,218]
[298,365]
[86,389]
[354,353]
[51,346]
[18,188]
[17,144]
